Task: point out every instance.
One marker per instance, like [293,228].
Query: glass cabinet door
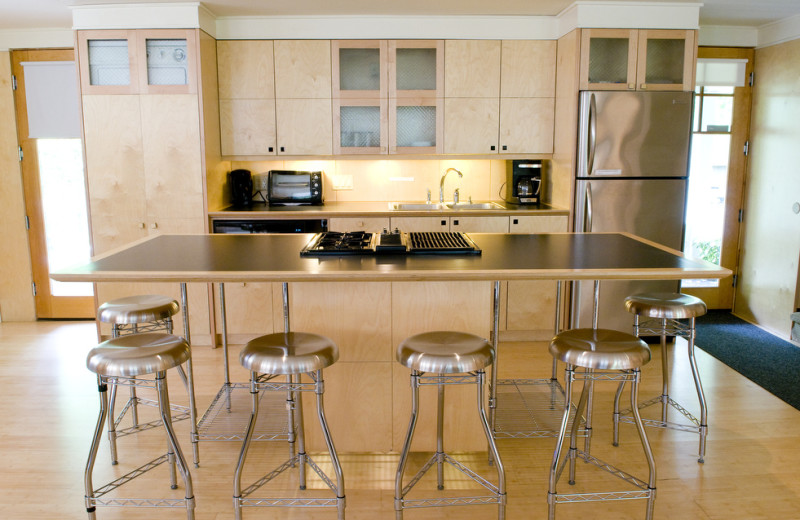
[360,126]
[666,60]
[107,61]
[167,61]
[417,68]
[608,59]
[415,126]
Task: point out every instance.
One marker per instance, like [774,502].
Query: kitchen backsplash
[392,180]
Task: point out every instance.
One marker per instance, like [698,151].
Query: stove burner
[365,243]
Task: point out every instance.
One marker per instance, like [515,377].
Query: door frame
[722,296]
[47,305]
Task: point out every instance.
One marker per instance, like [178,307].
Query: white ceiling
[28,14]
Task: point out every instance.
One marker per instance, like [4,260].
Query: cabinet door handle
[282,149]
[493,148]
[444,222]
[516,221]
[455,222]
[505,147]
[271,148]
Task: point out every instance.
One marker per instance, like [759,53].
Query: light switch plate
[342,182]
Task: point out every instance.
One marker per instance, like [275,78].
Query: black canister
[241,184]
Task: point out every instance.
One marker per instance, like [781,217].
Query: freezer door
[650,208]
[634,134]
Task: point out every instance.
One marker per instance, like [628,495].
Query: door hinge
[746,148]
[735,280]
[33,287]
[752,79]
[19,148]
[27,222]
[741,216]
[13,82]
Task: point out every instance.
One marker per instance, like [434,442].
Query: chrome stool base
[664,327]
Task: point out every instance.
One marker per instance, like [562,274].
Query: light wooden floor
[49,407]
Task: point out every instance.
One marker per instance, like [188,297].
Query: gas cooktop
[390,242]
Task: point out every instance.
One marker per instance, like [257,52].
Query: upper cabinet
[387,96]
[499,96]
[630,59]
[157,61]
[275,97]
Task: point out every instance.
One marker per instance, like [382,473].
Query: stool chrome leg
[102,388]
[301,433]
[166,419]
[495,454]
[440,437]
[651,464]
[112,427]
[664,372]
[248,437]
[401,466]
[583,403]
[337,467]
[700,394]
[555,470]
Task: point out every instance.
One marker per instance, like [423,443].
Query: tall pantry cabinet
[143,146]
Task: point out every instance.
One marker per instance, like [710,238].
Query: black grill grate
[440,241]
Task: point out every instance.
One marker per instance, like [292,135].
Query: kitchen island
[368,304]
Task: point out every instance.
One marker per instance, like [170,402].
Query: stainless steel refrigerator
[633,157]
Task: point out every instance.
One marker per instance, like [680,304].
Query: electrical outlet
[261,182]
[342,182]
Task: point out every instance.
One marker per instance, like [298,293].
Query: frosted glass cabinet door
[360,126]
[608,59]
[416,68]
[666,60]
[416,127]
[167,61]
[359,69]
[107,62]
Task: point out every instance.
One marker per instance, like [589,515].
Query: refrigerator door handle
[587,219]
[592,129]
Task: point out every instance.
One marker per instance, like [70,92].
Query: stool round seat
[138,309]
[292,353]
[138,354]
[671,306]
[445,352]
[603,349]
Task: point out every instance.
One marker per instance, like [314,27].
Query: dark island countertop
[276,257]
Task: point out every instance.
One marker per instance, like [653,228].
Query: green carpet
[768,361]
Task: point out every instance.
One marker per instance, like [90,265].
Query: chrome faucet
[441,182]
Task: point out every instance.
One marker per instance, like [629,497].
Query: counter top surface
[276,257]
[374,208]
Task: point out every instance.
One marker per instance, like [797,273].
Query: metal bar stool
[290,354]
[134,315]
[662,312]
[119,361]
[456,358]
[607,355]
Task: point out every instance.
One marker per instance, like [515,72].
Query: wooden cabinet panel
[172,156]
[485,224]
[303,69]
[245,69]
[527,125]
[472,68]
[372,225]
[247,126]
[471,125]
[539,224]
[421,223]
[115,170]
[248,311]
[666,60]
[304,126]
[528,68]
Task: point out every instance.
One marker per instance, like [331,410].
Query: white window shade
[717,72]
[51,93]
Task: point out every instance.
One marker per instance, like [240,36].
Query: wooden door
[43,162]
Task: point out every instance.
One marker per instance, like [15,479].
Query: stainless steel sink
[416,206]
[474,205]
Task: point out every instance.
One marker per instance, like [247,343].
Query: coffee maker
[523,181]
[241,185]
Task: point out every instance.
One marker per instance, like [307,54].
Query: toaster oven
[288,187]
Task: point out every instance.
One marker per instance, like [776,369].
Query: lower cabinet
[466,224]
[370,224]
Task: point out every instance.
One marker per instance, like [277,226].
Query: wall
[16,299]
[397,180]
[767,284]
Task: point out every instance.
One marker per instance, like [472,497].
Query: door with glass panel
[48,125]
[717,169]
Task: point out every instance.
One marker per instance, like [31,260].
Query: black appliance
[250,226]
[241,184]
[390,242]
[523,181]
[291,188]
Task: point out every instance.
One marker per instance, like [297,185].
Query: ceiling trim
[779,32]
[36,39]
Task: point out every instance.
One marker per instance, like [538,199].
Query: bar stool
[456,358]
[120,361]
[606,355]
[133,315]
[662,312]
[290,354]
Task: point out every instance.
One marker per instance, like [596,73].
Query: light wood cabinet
[387,96]
[499,96]
[369,224]
[275,97]
[531,304]
[631,59]
[152,61]
[466,224]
